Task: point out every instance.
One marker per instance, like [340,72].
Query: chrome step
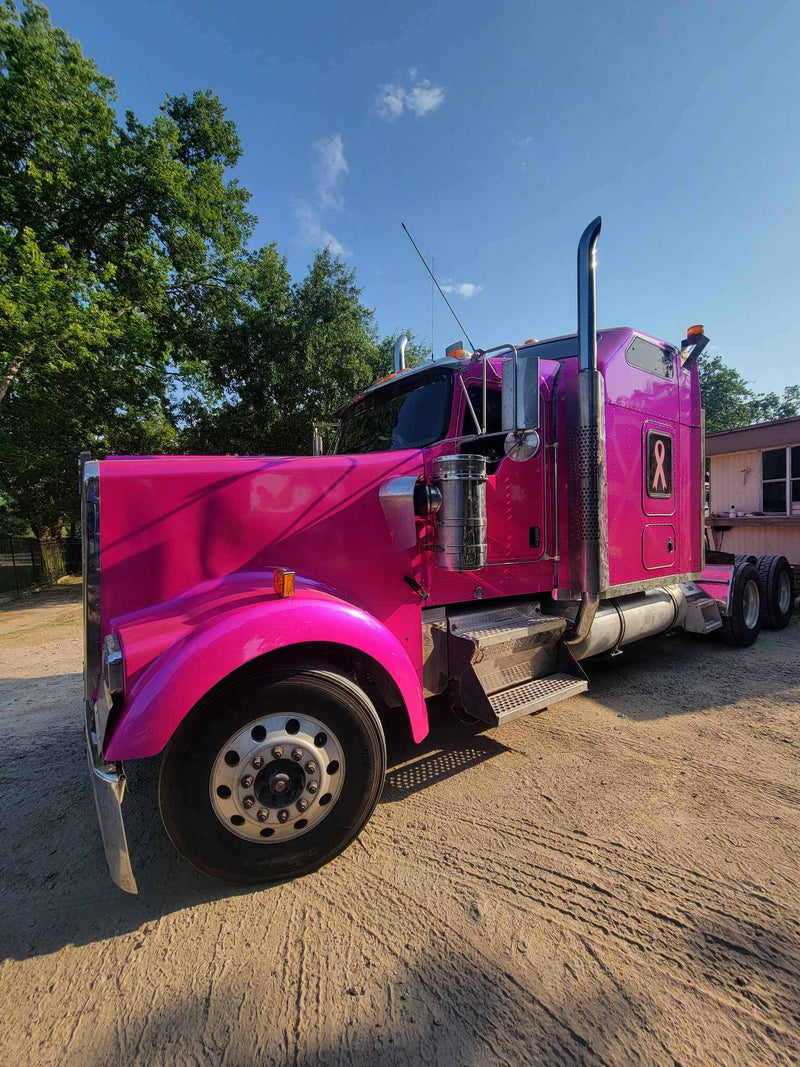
[532,696]
[506,625]
[702,614]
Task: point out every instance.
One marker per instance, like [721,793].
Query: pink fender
[185,672]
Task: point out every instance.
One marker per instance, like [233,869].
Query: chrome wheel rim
[277,778]
[784,592]
[751,604]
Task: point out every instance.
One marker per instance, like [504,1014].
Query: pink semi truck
[485,523]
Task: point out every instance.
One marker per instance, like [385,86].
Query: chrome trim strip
[647,583]
[108,785]
[90,554]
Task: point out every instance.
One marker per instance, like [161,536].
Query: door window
[491,447]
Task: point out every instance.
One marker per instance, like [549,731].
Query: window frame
[788,481]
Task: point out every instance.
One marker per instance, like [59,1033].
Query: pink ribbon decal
[659,477]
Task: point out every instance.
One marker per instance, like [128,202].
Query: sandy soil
[613,881]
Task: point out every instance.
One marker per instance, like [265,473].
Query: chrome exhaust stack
[400,352]
[588,549]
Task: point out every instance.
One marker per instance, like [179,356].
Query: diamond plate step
[533,696]
[506,625]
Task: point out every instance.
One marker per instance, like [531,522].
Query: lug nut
[248,802]
[312,788]
[283,815]
[277,752]
[297,754]
[247,781]
[302,805]
[262,814]
[311,767]
[258,762]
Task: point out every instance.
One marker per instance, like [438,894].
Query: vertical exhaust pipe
[587,309]
[589,534]
[400,353]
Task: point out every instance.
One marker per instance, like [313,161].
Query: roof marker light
[695,331]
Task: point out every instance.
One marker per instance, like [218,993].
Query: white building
[755,489]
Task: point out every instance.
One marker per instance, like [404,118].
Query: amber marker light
[532,341]
[695,331]
[283,582]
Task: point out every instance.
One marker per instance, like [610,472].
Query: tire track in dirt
[507,998]
[740,784]
[758,982]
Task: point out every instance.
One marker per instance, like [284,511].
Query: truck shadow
[57,891]
[679,673]
[449,748]
[467,1000]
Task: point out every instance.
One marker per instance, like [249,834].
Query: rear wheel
[776,583]
[273,778]
[743,625]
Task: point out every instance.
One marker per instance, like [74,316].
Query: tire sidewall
[186,809]
[770,569]
[738,632]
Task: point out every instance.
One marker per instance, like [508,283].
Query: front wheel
[272,778]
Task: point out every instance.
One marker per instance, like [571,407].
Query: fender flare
[182,675]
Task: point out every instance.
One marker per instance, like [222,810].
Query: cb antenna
[433,277]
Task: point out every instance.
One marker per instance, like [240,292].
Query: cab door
[515,492]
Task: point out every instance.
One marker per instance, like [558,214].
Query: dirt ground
[614,881]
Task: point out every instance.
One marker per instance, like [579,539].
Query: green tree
[284,357]
[115,238]
[730,402]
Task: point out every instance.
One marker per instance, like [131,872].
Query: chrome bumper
[108,785]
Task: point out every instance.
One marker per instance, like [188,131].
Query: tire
[743,625]
[776,581]
[224,835]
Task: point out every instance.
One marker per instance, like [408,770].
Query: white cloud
[329,169]
[420,98]
[465,290]
[424,98]
[390,101]
[313,233]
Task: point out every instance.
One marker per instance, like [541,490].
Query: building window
[780,481]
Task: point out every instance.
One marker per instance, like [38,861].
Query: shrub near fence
[26,562]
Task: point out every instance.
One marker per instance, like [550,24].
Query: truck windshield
[408,414]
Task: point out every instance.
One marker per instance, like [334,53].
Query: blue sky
[496,132]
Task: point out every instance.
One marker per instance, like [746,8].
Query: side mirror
[521,393]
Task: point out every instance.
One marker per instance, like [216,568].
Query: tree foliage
[111,236]
[134,317]
[730,402]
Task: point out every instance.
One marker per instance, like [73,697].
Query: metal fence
[26,562]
